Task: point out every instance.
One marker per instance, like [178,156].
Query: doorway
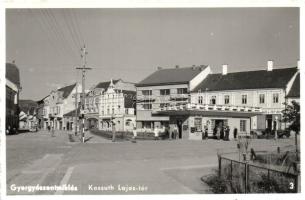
[269,122]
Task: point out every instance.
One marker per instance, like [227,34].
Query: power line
[59,30]
[75,19]
[52,31]
[72,33]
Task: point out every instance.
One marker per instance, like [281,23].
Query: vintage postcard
[151,100]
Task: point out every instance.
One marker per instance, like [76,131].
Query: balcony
[209,107]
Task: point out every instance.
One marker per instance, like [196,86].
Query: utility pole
[83,68]
[76,107]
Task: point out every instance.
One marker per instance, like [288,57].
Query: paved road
[102,167]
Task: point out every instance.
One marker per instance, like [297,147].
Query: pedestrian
[218,130]
[222,132]
[49,128]
[235,133]
[227,132]
[134,131]
[156,132]
[175,132]
[53,132]
[206,130]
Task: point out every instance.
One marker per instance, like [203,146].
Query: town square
[106,101]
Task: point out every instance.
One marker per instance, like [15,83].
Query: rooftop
[260,79]
[171,76]
[67,90]
[295,89]
[12,73]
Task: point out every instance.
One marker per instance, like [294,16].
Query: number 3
[291,185]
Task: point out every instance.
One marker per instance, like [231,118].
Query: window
[147,106]
[112,110]
[119,107]
[243,124]
[227,99]
[198,124]
[147,92]
[182,91]
[262,98]
[244,99]
[213,100]
[200,99]
[275,98]
[165,92]
[162,105]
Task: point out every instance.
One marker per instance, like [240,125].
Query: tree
[291,115]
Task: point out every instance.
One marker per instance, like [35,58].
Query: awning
[207,113]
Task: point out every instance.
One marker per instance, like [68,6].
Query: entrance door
[269,122]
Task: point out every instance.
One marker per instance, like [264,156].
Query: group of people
[223,133]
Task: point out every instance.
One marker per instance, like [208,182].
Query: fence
[244,177]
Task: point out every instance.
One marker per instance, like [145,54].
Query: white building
[111,100]
[250,100]
[58,103]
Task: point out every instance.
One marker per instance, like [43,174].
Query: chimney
[298,64]
[177,66]
[159,68]
[270,65]
[193,67]
[224,69]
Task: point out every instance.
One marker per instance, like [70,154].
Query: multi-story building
[13,89]
[250,100]
[58,103]
[39,112]
[165,88]
[111,101]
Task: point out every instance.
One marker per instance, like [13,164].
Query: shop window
[198,124]
[243,125]
[262,98]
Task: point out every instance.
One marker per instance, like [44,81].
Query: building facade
[58,103]
[13,89]
[164,88]
[112,101]
[245,101]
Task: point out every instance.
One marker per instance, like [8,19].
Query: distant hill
[28,106]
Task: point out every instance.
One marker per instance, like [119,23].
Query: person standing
[235,133]
[53,131]
[175,132]
[227,132]
[218,130]
[206,130]
[156,132]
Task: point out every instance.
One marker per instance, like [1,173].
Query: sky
[131,43]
